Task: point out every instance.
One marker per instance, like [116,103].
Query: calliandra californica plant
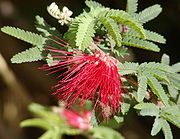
[88,54]
[87,75]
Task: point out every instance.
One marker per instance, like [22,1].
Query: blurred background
[24,83]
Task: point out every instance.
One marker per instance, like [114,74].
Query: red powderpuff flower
[89,77]
[74,119]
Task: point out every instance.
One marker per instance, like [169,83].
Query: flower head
[74,118]
[89,77]
[62,16]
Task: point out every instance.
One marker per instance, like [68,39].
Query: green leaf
[127,68]
[166,129]
[172,114]
[85,32]
[119,119]
[173,92]
[149,112]
[147,109]
[150,35]
[172,118]
[153,66]
[176,67]
[165,59]
[145,105]
[174,110]
[121,51]
[71,131]
[93,120]
[125,19]
[156,126]
[136,42]
[158,89]
[29,55]
[149,13]
[93,4]
[112,29]
[32,38]
[70,35]
[101,132]
[44,28]
[131,6]
[44,112]
[142,88]
[153,36]
[125,108]
[37,122]
[160,75]
[174,80]
[47,135]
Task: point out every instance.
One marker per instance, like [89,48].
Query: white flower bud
[63,17]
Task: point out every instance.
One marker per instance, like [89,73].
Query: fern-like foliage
[155,76]
[136,42]
[166,129]
[142,89]
[148,74]
[85,32]
[29,55]
[131,6]
[32,38]
[124,18]
[127,68]
[93,5]
[150,35]
[147,109]
[156,126]
[45,29]
[112,28]
[52,123]
[83,28]
[148,13]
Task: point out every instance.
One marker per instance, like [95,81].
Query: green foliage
[125,19]
[45,29]
[142,88]
[127,68]
[27,36]
[150,70]
[93,5]
[101,132]
[112,28]
[85,32]
[131,6]
[150,35]
[82,29]
[172,114]
[54,125]
[158,89]
[156,76]
[135,42]
[165,59]
[166,130]
[156,92]
[30,55]
[149,13]
[156,126]
[147,109]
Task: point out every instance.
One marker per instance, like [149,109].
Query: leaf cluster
[157,92]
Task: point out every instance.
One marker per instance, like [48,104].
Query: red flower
[89,77]
[74,119]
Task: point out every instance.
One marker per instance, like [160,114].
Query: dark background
[24,83]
